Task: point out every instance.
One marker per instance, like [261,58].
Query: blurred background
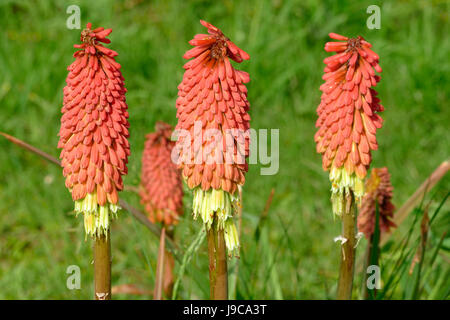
[292,256]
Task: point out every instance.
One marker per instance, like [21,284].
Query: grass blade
[195,245]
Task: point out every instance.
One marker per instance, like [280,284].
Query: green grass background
[295,257]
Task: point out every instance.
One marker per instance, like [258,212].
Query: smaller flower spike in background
[161,189]
[94,131]
[348,117]
[378,190]
[213,94]
[161,193]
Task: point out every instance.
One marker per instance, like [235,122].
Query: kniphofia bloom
[94,131]
[212,107]
[161,189]
[378,190]
[348,118]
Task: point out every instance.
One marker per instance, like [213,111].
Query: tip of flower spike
[347,46]
[218,44]
[164,129]
[90,40]
[99,34]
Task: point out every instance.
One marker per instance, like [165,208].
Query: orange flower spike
[161,189]
[94,131]
[348,115]
[213,95]
[378,190]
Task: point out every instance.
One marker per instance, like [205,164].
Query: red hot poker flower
[213,92]
[214,96]
[161,187]
[378,190]
[348,117]
[94,130]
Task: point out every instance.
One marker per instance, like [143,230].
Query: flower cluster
[94,131]
[348,117]
[161,189]
[378,190]
[214,93]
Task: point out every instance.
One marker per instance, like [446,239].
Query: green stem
[347,267]
[102,267]
[159,278]
[218,274]
[169,264]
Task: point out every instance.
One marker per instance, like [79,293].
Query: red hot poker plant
[347,124]
[379,193]
[212,107]
[161,193]
[378,190]
[161,187]
[213,94]
[348,117]
[93,139]
[94,131]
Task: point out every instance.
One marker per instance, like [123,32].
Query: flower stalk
[218,269]
[102,267]
[347,266]
[157,294]
[169,265]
